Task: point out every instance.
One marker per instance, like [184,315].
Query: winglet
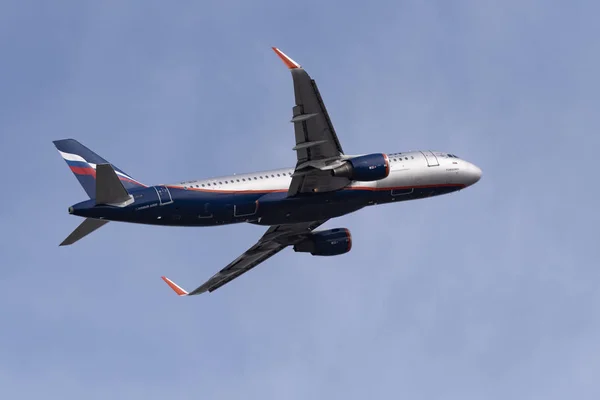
[291,64]
[174,286]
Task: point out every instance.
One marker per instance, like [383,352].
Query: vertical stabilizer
[82,162]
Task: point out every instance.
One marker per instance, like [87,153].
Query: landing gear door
[432,160]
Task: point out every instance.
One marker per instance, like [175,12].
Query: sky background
[491,292]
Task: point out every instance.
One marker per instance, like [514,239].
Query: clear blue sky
[490,293]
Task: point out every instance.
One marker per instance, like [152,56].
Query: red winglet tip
[174,286]
[291,64]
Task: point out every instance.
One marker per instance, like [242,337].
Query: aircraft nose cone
[474,174]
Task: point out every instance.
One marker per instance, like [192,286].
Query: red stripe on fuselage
[204,190]
[376,189]
[372,189]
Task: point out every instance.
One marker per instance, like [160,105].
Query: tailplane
[109,190]
[83,162]
[88,226]
[103,182]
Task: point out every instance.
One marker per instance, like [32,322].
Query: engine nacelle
[371,167]
[331,242]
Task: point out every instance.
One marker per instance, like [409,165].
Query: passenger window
[203,185]
[278,175]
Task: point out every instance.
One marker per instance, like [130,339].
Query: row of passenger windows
[225,182]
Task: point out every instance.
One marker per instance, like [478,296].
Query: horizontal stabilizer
[109,188]
[85,228]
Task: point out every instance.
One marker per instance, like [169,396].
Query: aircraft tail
[109,190]
[83,162]
[88,226]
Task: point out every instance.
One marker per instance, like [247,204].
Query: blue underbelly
[200,208]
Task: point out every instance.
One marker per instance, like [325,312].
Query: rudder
[82,162]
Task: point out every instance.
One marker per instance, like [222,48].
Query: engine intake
[371,167]
[331,242]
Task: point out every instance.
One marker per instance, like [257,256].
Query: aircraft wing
[318,148]
[277,238]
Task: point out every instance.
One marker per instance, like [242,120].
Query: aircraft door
[432,160]
[164,195]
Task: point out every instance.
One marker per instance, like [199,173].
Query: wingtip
[291,64]
[176,288]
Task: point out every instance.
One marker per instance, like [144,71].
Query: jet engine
[331,242]
[371,167]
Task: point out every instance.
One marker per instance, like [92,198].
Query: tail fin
[83,161]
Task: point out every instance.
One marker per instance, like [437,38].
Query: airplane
[326,183]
